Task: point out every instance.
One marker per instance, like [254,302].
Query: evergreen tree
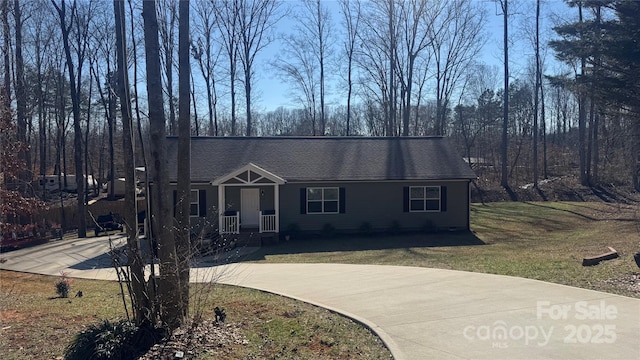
[609,51]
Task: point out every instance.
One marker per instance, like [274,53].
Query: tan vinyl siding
[380,204]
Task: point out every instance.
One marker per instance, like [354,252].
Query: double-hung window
[197,202]
[424,198]
[194,203]
[323,200]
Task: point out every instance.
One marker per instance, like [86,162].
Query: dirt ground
[565,188]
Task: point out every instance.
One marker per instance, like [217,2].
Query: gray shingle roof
[324,158]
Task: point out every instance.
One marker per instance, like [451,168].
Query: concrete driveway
[419,313]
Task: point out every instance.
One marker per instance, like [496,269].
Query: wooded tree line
[398,68]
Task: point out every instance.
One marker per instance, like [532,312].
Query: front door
[250,207]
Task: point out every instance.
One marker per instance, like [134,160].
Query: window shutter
[443,198]
[303,200]
[202,201]
[342,201]
[175,201]
[406,199]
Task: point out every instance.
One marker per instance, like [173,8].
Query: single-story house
[310,184]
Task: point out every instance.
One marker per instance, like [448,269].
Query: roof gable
[248,175]
[310,159]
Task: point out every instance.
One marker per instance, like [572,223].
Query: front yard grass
[545,241]
[37,324]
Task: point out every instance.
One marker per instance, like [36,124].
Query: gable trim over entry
[250,174]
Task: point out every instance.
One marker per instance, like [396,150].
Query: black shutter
[202,201]
[303,200]
[175,201]
[406,199]
[443,198]
[342,201]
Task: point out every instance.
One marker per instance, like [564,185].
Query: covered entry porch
[249,200]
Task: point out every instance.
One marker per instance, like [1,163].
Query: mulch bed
[211,337]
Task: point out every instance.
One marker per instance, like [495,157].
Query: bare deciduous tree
[255,20]
[416,18]
[183,195]
[168,298]
[66,24]
[228,24]
[457,38]
[505,103]
[141,299]
[21,98]
[167,25]
[207,54]
[378,60]
[6,47]
[352,12]
[297,66]
[304,60]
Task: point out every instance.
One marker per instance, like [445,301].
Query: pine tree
[609,51]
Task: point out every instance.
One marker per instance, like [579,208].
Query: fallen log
[595,260]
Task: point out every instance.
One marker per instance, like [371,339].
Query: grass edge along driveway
[538,240]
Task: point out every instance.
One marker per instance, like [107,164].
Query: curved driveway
[420,313]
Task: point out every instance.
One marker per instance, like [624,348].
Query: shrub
[293,229]
[394,228]
[328,231]
[428,226]
[63,286]
[366,228]
[121,340]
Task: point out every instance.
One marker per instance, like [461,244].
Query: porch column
[220,207]
[276,194]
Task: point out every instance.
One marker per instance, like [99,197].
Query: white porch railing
[230,224]
[268,223]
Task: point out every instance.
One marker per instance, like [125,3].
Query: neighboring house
[345,184]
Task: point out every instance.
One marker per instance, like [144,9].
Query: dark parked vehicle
[108,222]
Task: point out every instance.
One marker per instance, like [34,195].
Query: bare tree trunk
[111,105]
[635,146]
[136,97]
[7,54]
[536,99]
[75,104]
[201,51]
[108,103]
[169,281]
[141,302]
[21,99]
[505,116]
[167,35]
[39,94]
[582,99]
[543,120]
[196,119]
[391,129]
[183,207]
[352,23]
[227,22]
[596,150]
[321,26]
[86,141]
[253,20]
[589,150]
